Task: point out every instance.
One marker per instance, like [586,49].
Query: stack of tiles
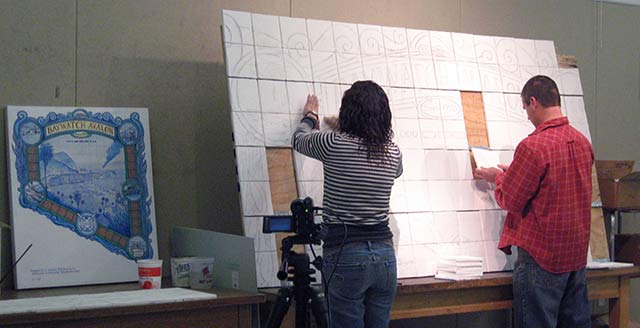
[459,268]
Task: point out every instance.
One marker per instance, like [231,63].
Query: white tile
[256,198]
[470,226]
[346,38]
[320,34]
[324,66]
[428,104]
[247,129]
[421,225]
[583,127]
[294,33]
[486,49]
[313,189]
[465,196]
[526,50]
[455,134]
[262,242]
[490,77]
[398,201]
[307,168]
[574,105]
[464,47]
[414,164]
[513,104]
[277,130]
[241,60]
[496,259]
[511,79]
[417,193]
[441,45]
[450,105]
[350,68]
[492,222]
[252,164]
[431,134]
[499,137]
[551,72]
[438,164]
[426,259]
[237,27]
[570,80]
[399,225]
[329,98]
[297,63]
[419,44]
[405,261]
[507,51]
[273,96]
[267,266]
[483,195]
[243,95]
[446,74]
[399,69]
[459,164]
[270,63]
[469,76]
[375,69]
[371,39]
[546,52]
[445,227]
[527,72]
[424,74]
[408,133]
[266,30]
[297,93]
[519,131]
[403,103]
[494,106]
[395,41]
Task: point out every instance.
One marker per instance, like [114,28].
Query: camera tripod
[301,291]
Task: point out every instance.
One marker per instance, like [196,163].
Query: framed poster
[81,193]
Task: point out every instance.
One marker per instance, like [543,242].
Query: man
[547,193]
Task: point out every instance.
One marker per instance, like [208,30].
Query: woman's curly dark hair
[365,113]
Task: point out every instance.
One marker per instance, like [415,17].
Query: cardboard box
[627,248]
[619,187]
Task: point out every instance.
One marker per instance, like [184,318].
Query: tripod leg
[319,308]
[280,308]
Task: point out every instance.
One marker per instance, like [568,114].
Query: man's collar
[551,124]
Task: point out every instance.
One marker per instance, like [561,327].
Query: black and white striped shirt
[356,189]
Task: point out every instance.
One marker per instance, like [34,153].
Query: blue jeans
[363,285]
[543,299]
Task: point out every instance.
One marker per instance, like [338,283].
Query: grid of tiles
[438,209]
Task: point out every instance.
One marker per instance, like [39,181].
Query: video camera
[300,222]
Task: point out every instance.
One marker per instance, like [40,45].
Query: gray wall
[167,56]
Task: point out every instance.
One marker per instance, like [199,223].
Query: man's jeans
[363,285]
[542,299]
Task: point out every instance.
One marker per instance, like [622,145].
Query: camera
[299,222]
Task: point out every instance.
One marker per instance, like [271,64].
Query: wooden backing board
[474,119]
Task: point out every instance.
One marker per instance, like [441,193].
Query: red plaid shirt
[547,193]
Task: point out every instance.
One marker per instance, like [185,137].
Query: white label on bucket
[235,279]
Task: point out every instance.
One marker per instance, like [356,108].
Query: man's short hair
[543,88]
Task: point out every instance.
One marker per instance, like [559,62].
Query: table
[232,308]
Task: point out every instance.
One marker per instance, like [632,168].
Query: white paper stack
[459,268]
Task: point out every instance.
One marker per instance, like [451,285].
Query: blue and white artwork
[82,194]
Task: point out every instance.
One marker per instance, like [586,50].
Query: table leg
[619,307]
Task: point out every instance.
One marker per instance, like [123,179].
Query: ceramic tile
[375,69]
[575,109]
[465,199]
[492,222]
[371,39]
[270,63]
[424,74]
[483,195]
[546,53]
[350,68]
[526,50]
[432,134]
[237,27]
[455,134]
[273,96]
[408,133]
[419,44]
[445,227]
[513,104]
[414,164]
[551,72]
[417,193]
[583,127]
[494,106]
[313,189]
[426,259]
[294,33]
[469,224]
[570,80]
[307,168]
[277,130]
[499,137]
[398,202]
[506,50]
[395,41]
[496,260]
[346,38]
[438,164]
[519,131]
[446,74]
[428,104]
[421,225]
[252,164]
[243,95]
[527,72]
[256,198]
[266,30]
[247,129]
[490,77]
[469,76]
[267,267]
[400,74]
[403,103]
[441,45]
[399,225]
[459,165]
[297,63]
[262,242]
[297,93]
[329,98]
[324,66]
[485,49]
[464,47]
[511,79]
[405,261]
[241,60]
[320,35]
[450,105]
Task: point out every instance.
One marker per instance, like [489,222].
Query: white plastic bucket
[201,274]
[150,274]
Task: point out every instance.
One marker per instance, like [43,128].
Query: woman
[360,164]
